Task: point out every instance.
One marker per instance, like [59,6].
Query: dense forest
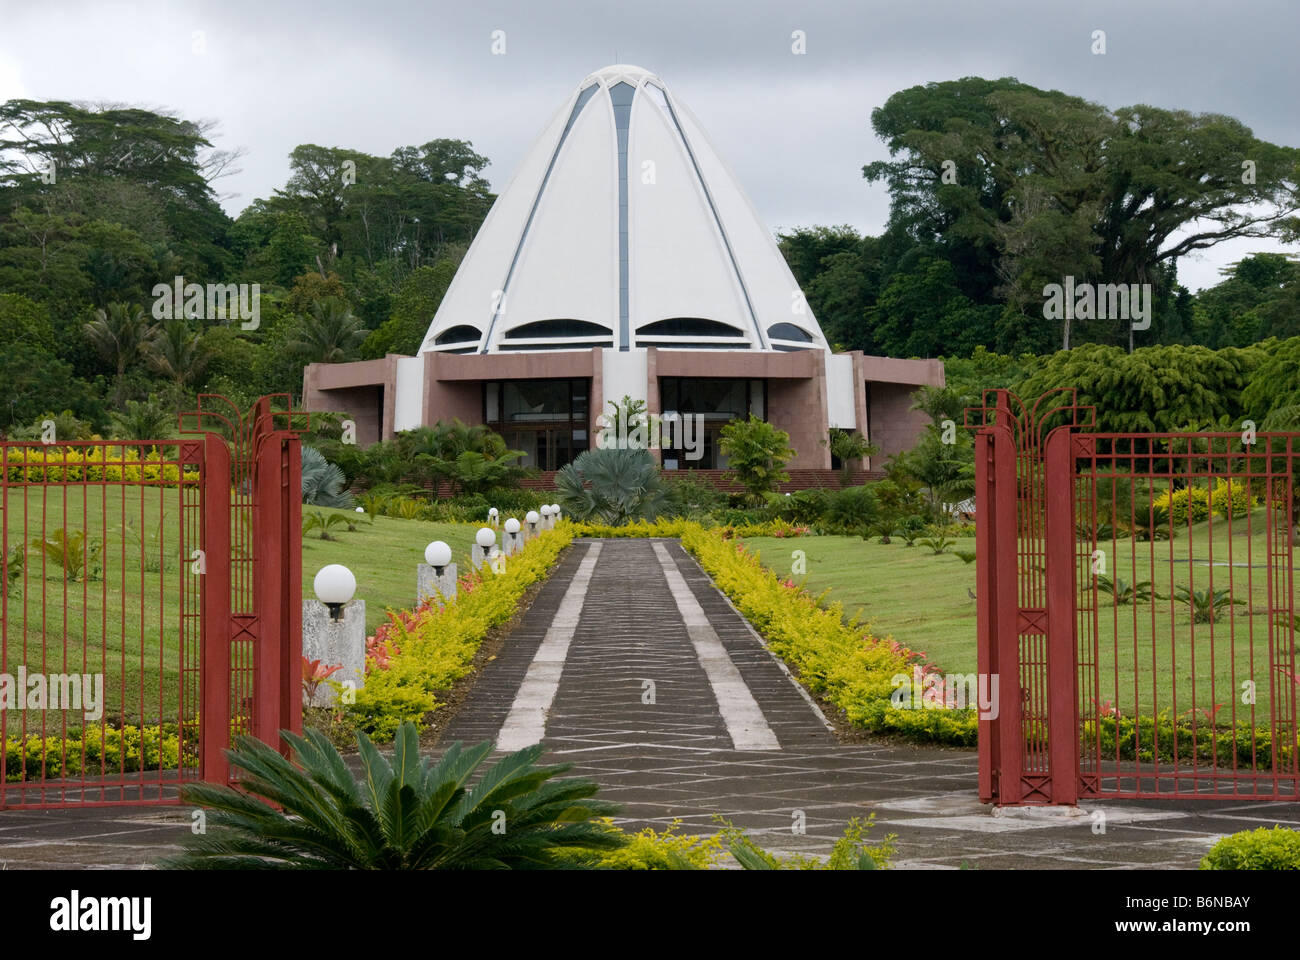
[997,190]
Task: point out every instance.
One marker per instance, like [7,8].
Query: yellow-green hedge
[75,465]
[88,751]
[437,643]
[835,658]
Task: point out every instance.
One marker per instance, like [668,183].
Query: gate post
[1062,687]
[214,628]
[268,548]
[986,522]
[291,589]
[1005,598]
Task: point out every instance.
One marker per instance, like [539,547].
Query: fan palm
[406,814]
[329,335]
[612,486]
[323,483]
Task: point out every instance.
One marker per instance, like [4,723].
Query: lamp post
[335,634]
[555,511]
[437,575]
[532,517]
[486,538]
[512,530]
[546,516]
[492,516]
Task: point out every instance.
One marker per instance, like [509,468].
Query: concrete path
[632,666]
[654,686]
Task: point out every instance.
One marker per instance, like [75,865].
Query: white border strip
[744,719]
[525,725]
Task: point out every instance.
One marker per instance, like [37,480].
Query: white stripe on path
[740,711]
[526,723]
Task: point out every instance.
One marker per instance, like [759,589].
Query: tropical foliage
[756,453]
[405,813]
[612,486]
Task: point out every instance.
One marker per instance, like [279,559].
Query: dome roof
[623,228]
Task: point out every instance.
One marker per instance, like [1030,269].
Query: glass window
[535,400]
[788,331]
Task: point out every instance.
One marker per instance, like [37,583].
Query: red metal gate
[1136,600]
[149,606]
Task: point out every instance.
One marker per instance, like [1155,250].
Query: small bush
[850,509]
[1197,502]
[1262,849]
[802,506]
[684,496]
[650,850]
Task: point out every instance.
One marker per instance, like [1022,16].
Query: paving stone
[674,759]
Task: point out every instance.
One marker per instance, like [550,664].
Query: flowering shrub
[314,673]
[1196,735]
[418,653]
[674,528]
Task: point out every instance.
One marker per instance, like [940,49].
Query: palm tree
[323,483]
[176,353]
[329,335]
[120,334]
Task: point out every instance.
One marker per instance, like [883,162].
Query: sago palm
[407,814]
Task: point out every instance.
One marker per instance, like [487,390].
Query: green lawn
[119,611]
[906,593]
[1146,651]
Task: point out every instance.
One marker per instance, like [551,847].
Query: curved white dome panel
[677,258]
[469,297]
[773,291]
[568,265]
[578,236]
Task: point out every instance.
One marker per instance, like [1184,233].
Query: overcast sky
[377,75]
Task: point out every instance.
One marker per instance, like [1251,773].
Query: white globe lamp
[438,555]
[335,586]
[486,538]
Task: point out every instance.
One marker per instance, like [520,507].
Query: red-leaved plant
[314,673]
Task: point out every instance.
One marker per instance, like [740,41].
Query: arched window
[459,334]
[788,331]
[555,329]
[688,327]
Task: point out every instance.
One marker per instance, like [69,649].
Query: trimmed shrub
[421,652]
[1262,849]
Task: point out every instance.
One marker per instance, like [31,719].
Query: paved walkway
[633,667]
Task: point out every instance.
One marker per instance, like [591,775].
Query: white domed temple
[623,258]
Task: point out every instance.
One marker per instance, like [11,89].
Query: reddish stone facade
[796,390]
